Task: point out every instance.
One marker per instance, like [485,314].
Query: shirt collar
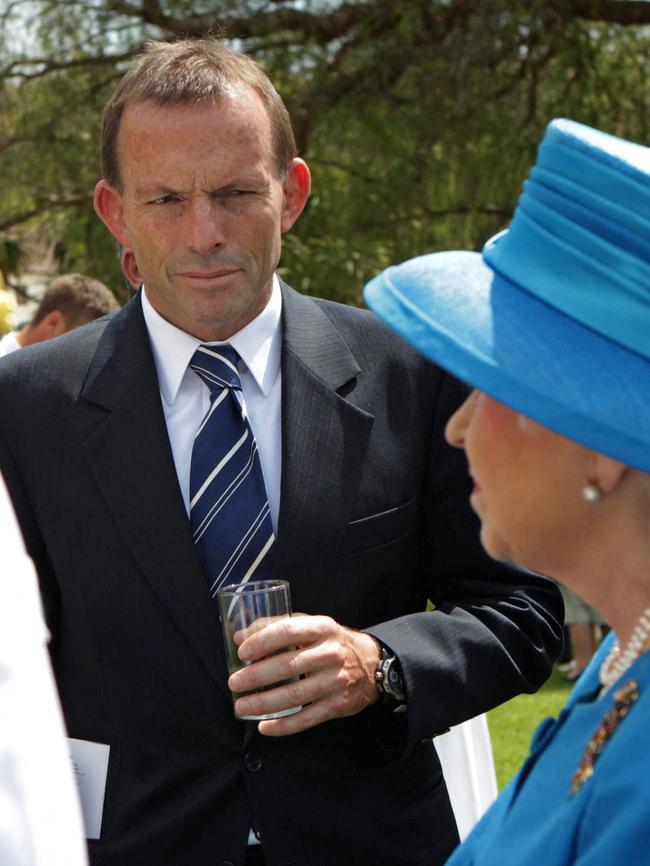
[258,345]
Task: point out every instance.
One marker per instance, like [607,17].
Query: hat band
[558,260]
[588,209]
[618,192]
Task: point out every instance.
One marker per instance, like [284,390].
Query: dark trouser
[255,856]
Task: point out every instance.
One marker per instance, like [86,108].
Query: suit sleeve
[495,630]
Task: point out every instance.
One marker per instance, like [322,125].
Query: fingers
[297,630]
[287,694]
[322,696]
[310,716]
[329,673]
[289,664]
[256,626]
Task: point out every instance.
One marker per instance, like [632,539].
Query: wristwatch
[388,676]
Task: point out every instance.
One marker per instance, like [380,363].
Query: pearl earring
[590,493]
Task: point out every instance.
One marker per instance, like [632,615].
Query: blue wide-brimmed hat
[553,318]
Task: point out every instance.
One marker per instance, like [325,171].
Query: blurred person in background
[69,301]
[8,306]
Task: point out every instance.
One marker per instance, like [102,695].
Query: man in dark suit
[368,504]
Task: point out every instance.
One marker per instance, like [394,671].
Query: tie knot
[217,367]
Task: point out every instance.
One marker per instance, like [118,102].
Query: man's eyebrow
[245,180]
[153,189]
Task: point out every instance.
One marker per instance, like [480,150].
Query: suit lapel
[132,443]
[324,437]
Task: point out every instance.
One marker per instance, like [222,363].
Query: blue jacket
[538,822]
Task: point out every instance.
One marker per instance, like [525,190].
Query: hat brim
[499,338]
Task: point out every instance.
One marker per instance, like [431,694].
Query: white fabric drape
[465,753]
[40,816]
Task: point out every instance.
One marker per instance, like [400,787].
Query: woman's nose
[459,421]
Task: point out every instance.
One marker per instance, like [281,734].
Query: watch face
[394,681]
[389,680]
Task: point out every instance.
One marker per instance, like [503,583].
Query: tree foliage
[419,119]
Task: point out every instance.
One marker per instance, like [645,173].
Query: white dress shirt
[186,399]
[9,343]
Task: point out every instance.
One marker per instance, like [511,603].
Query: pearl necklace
[618,662]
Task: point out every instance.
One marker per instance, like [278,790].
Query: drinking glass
[244,609]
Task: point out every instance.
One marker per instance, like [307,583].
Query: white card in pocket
[90,768]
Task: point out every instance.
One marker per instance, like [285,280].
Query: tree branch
[321,28]
[626,12]
[41,206]
[330,163]
[442,213]
[13,70]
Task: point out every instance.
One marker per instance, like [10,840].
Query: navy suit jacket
[374,521]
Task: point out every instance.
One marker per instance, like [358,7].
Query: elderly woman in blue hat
[551,327]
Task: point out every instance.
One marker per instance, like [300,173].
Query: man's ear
[607,472]
[296,188]
[130,269]
[51,325]
[109,208]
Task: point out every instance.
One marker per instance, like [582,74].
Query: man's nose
[205,226]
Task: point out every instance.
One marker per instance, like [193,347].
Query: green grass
[513,724]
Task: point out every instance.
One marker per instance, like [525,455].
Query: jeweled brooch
[624,699]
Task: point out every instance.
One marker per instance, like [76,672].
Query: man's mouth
[209,275]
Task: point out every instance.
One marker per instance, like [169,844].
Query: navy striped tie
[229,509]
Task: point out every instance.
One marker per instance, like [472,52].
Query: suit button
[253,762]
